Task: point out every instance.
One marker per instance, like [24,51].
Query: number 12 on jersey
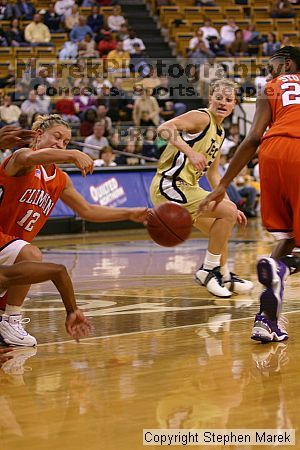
[28,221]
[291,96]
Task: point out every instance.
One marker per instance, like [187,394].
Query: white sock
[225,272]
[11,310]
[211,261]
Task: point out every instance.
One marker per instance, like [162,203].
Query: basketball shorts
[279,167]
[10,247]
[164,189]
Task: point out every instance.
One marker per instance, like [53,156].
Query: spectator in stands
[205,3]
[95,20]
[146,110]
[83,103]
[124,101]
[250,35]
[209,71]
[139,61]
[72,20]
[199,55]
[282,9]
[115,20]
[41,79]
[7,10]
[285,41]
[10,79]
[167,112]
[216,47]
[3,40]
[66,108]
[106,158]
[208,31]
[15,36]
[247,191]
[193,44]
[43,100]
[271,46]
[162,94]
[31,106]
[87,47]
[238,47]
[63,8]
[106,44]
[68,51]
[89,120]
[149,148]
[52,20]
[9,113]
[123,160]
[79,31]
[118,60]
[228,32]
[128,44]
[231,140]
[37,33]
[102,117]
[97,139]
[260,81]
[23,122]
[123,32]
[24,10]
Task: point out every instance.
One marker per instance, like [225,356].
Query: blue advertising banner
[112,188]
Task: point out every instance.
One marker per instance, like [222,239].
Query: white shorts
[9,253]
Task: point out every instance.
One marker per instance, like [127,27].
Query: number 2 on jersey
[33,216]
[292,95]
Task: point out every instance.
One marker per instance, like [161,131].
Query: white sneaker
[238,285]
[13,333]
[212,279]
[15,366]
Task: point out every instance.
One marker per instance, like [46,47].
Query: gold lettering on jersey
[39,198]
[213,149]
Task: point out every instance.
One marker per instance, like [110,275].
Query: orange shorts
[279,167]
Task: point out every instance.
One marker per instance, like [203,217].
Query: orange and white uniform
[25,204]
[279,159]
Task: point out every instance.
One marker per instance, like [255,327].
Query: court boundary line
[93,338]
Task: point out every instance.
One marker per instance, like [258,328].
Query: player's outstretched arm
[35,272]
[244,153]
[26,159]
[95,213]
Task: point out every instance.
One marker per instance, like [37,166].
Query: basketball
[169,224]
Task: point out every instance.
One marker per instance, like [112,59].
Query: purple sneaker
[272,274]
[265,330]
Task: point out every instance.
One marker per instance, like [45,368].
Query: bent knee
[231,212]
[30,253]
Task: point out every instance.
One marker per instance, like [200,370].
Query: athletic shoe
[269,359]
[15,366]
[272,274]
[265,330]
[212,279]
[238,285]
[13,333]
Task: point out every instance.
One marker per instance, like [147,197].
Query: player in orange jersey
[30,185]
[278,108]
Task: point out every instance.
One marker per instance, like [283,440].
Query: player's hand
[241,219]
[138,215]
[197,160]
[83,161]
[216,196]
[4,355]
[12,136]
[77,325]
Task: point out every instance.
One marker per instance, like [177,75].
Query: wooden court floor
[163,353]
